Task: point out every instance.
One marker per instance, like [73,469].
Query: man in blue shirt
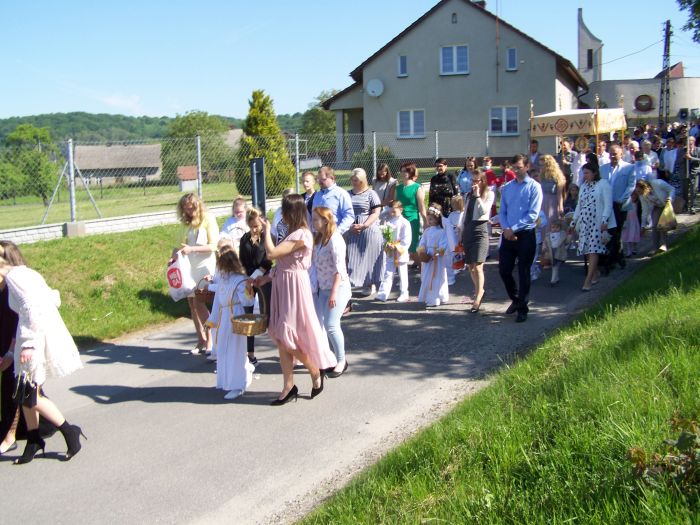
[620,175]
[521,201]
[335,198]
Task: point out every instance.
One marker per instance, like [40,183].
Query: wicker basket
[250,324]
[203,295]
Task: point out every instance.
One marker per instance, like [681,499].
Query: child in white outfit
[453,225]
[233,370]
[432,250]
[559,242]
[396,254]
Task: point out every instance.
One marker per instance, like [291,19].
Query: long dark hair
[294,212]
[229,263]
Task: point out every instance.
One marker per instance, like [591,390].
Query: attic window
[454,18]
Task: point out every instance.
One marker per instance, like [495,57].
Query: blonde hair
[199,210]
[551,170]
[322,237]
[224,244]
[360,175]
[457,203]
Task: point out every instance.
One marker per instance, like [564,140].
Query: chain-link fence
[41,184]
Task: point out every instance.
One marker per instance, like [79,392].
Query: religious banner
[577,122]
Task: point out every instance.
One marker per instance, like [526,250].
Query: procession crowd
[299,269]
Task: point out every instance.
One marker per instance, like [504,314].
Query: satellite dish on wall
[375,87]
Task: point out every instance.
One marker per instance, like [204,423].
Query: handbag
[26,391]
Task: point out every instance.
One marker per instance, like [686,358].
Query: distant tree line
[102,127]
[31,151]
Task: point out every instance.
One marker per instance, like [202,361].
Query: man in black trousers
[521,201]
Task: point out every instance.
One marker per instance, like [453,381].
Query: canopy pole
[621,102]
[595,122]
[532,116]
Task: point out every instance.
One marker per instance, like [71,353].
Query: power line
[635,53]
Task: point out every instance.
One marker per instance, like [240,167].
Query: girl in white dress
[396,254]
[432,249]
[43,348]
[233,370]
[453,228]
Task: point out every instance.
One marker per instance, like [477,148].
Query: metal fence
[82,181]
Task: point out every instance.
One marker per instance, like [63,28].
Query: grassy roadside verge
[548,441]
[110,284]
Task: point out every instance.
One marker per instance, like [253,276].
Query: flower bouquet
[391,247]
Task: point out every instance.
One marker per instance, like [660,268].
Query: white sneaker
[403,298]
[381,297]
[196,351]
[233,394]
[436,303]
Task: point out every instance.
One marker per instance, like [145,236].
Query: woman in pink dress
[293,324]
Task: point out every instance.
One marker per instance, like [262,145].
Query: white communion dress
[40,327]
[233,370]
[433,288]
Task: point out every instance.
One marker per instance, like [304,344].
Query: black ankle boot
[34,445]
[71,433]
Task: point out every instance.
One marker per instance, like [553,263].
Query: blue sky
[157,57]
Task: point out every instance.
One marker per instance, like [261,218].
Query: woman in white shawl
[43,348]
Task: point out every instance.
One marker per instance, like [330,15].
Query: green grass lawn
[116,202]
[110,284]
[548,440]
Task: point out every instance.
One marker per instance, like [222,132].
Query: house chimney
[480,3]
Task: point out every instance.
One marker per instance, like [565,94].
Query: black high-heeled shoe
[71,433]
[34,445]
[477,304]
[334,374]
[317,391]
[292,394]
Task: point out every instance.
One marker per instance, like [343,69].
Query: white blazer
[482,207]
[602,192]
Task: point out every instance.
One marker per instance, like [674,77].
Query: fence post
[374,155]
[71,181]
[198,142]
[296,161]
[437,144]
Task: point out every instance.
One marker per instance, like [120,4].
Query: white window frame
[514,65]
[412,133]
[504,111]
[454,60]
[399,73]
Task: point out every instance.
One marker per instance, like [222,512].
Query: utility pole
[665,93]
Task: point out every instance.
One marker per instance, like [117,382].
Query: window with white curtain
[411,123]
[454,60]
[504,120]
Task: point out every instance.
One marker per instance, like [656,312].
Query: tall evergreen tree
[262,137]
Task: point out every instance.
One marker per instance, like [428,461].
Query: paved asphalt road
[164,447]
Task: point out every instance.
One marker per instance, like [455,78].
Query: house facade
[460,70]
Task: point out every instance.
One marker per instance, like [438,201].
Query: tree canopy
[693,23]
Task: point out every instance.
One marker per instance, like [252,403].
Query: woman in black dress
[442,187]
[475,233]
[254,259]
[9,415]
